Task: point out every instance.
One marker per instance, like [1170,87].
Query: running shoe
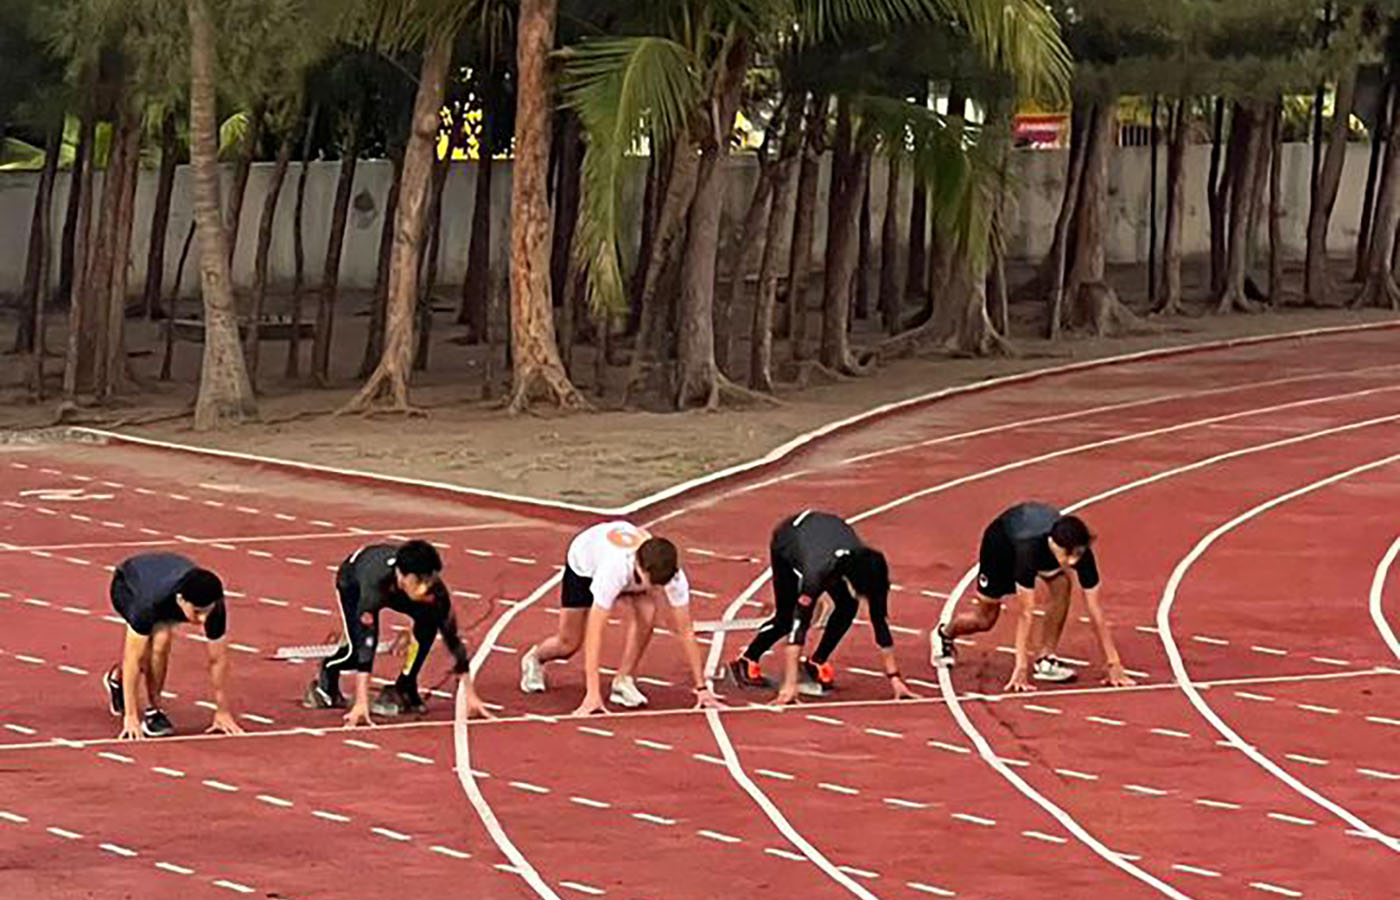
[318,696]
[747,674]
[156,724]
[822,675]
[113,682]
[943,650]
[626,694]
[394,701]
[1048,668]
[532,672]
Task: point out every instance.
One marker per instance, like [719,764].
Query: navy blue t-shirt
[144,590]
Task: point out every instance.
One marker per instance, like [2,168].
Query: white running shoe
[531,673]
[626,694]
[1051,669]
[942,650]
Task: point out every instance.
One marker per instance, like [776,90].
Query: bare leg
[639,629]
[569,638]
[1052,624]
[157,664]
[978,616]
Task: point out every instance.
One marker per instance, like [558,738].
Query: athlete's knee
[986,612]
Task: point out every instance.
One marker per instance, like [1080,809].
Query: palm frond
[622,89]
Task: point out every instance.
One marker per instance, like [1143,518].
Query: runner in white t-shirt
[608,563]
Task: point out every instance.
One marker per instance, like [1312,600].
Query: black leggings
[425,630]
[793,619]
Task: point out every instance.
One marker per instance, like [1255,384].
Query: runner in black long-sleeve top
[815,553]
[406,579]
[1033,543]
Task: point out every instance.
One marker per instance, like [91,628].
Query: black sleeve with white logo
[447,627]
[1088,571]
[812,543]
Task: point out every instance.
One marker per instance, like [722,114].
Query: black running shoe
[943,650]
[112,681]
[389,702]
[155,724]
[747,674]
[412,700]
[319,697]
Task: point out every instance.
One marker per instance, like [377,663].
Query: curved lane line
[1183,677]
[1377,591]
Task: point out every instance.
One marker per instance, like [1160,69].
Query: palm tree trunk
[265,228]
[40,298]
[252,142]
[330,276]
[173,305]
[1363,232]
[379,302]
[34,292]
[78,294]
[842,244]
[1242,171]
[775,249]
[441,170]
[1380,288]
[1176,198]
[804,228]
[225,393]
[652,196]
[1051,277]
[537,368]
[115,368]
[93,340]
[1217,193]
[564,269]
[74,244]
[891,284]
[862,299]
[388,385]
[160,215]
[476,288]
[1316,286]
[916,279]
[293,367]
[743,248]
[1276,206]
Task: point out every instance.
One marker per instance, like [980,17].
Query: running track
[1245,501]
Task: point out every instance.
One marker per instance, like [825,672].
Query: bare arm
[1116,676]
[1025,618]
[133,652]
[218,678]
[593,659]
[685,630]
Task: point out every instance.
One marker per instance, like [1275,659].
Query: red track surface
[859,797]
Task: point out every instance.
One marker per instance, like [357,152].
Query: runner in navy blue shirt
[1029,544]
[154,593]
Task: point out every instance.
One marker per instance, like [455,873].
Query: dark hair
[868,572]
[660,559]
[1071,533]
[202,588]
[418,558]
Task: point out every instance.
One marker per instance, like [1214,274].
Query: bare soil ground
[605,458]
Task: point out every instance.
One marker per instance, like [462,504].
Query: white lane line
[168,772]
[527,786]
[590,803]
[837,788]
[415,758]
[1376,773]
[21,729]
[1292,820]
[172,868]
[1193,693]
[785,854]
[928,889]
[1143,789]
[906,804]
[73,670]
[770,773]
[219,786]
[1309,760]
[391,834]
[597,732]
[63,833]
[1218,804]
[1100,720]
[1195,870]
[234,886]
[119,850]
[1046,710]
[582,888]
[1170,732]
[1325,710]
[1082,776]
[448,851]
[1376,595]
[652,745]
[655,820]
[274,801]
[1258,698]
[975,820]
[12,817]
[1269,651]
[329,816]
[1047,838]
[116,757]
[1274,889]
[719,836]
[1330,661]
[951,748]
[1382,720]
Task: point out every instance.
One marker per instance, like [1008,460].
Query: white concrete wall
[1039,176]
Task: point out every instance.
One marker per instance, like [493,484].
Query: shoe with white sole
[1048,668]
[532,673]
[942,649]
[626,694]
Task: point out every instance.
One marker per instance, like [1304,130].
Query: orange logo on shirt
[627,538]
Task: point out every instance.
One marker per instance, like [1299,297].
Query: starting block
[321,651]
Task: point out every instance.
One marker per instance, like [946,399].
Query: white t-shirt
[607,554]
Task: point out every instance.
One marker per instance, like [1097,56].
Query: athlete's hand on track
[591,705]
[476,709]
[224,724]
[131,729]
[357,715]
[707,699]
[786,696]
[901,690]
[1118,678]
[1019,682]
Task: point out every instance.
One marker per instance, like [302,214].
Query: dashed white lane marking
[906,804]
[63,833]
[712,760]
[219,786]
[298,561]
[1143,789]
[1310,760]
[1269,651]
[590,803]
[77,610]
[273,601]
[598,732]
[1037,708]
[1258,698]
[859,873]
[652,745]
[233,886]
[655,820]
[253,717]
[363,745]
[1292,820]
[1047,838]
[21,729]
[316,610]
[1195,870]
[1329,661]
[118,850]
[12,817]
[1325,710]
[975,820]
[74,670]
[719,836]
[582,888]
[837,788]
[1382,720]
[115,757]
[1218,804]
[1205,639]
[174,869]
[1376,773]
[275,801]
[784,854]
[928,889]
[168,772]
[448,851]
[1100,720]
[391,834]
[32,660]
[35,601]
[952,748]
[1169,732]
[770,773]
[1274,889]
[527,786]
[329,816]
[415,758]
[825,720]
[881,732]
